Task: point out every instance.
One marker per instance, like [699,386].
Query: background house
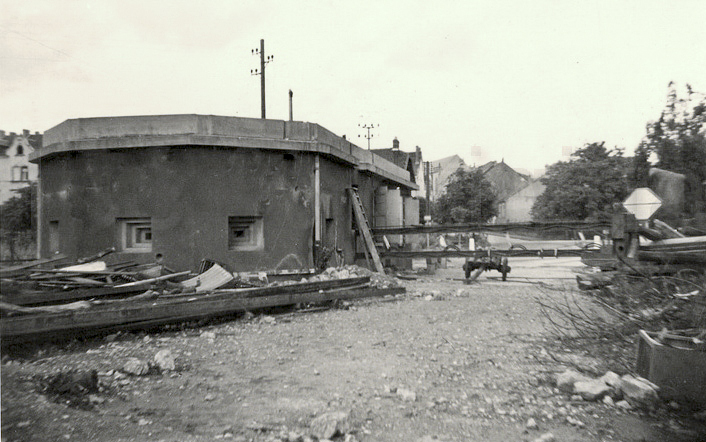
[516,208]
[441,171]
[411,161]
[515,192]
[15,169]
[253,194]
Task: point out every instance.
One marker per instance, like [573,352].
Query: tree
[17,218]
[585,187]
[17,214]
[678,140]
[468,198]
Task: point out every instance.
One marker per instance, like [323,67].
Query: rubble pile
[73,387]
[624,392]
[377,280]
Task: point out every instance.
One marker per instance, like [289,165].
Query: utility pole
[369,135]
[261,72]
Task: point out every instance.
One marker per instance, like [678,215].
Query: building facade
[16,171]
[253,194]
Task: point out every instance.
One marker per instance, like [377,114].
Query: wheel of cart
[504,268]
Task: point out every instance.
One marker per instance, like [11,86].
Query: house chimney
[395,144]
[25,132]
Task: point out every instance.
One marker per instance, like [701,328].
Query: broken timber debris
[178,308]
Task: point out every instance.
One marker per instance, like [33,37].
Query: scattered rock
[700,416]
[531,424]
[143,422]
[625,405]
[431,439]
[208,335]
[350,438]
[95,399]
[329,425]
[565,381]
[209,397]
[574,421]
[165,360]
[592,390]
[112,337]
[407,395]
[546,437]
[136,367]
[639,392]
[295,437]
[75,383]
[268,320]
[611,379]
[608,400]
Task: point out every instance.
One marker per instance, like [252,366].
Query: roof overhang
[106,133]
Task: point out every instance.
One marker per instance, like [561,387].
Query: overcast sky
[487,80]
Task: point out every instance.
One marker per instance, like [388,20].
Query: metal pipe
[317,201]
[291,115]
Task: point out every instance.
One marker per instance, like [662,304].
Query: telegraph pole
[369,135]
[261,72]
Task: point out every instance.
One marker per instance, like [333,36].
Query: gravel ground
[446,361]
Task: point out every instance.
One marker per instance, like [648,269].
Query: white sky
[522,80]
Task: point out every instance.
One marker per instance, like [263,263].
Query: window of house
[24,173]
[20,150]
[135,234]
[245,233]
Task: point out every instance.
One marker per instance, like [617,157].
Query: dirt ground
[446,361]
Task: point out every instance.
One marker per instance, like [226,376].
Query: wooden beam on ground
[477,254]
[18,270]
[158,312]
[58,297]
[495,228]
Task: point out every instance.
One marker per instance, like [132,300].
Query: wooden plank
[56,297]
[364,229]
[8,272]
[482,253]
[151,280]
[497,228]
[32,326]
[311,298]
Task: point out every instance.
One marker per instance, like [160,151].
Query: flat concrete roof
[211,130]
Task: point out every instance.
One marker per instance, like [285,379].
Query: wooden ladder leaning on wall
[364,228]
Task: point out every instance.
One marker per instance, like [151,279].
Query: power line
[38,42]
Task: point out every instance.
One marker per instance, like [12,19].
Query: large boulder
[639,392]
[329,425]
[592,390]
[565,381]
